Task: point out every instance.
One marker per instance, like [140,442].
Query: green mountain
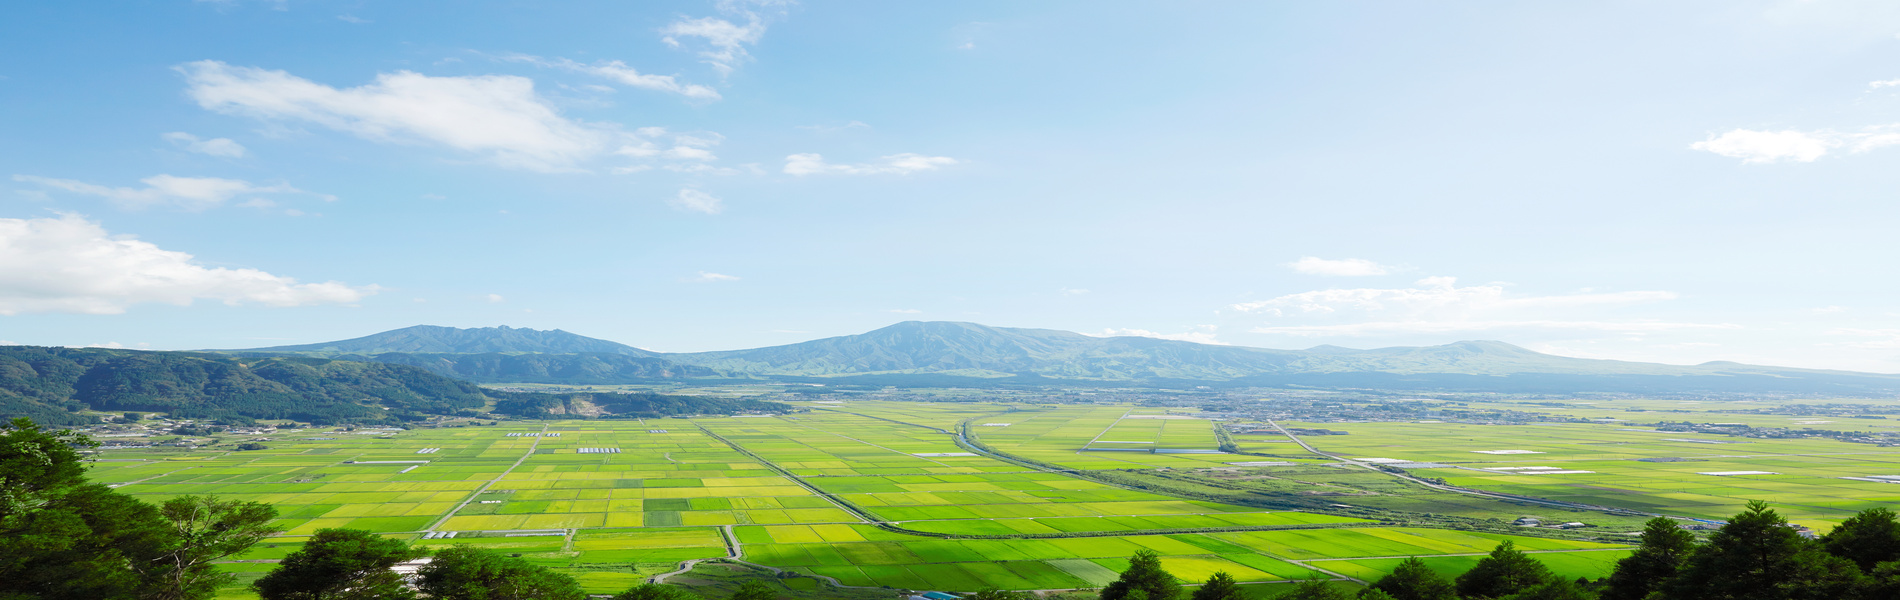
[936,353]
[450,340]
[50,384]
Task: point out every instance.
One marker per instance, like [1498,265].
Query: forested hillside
[593,368]
[48,384]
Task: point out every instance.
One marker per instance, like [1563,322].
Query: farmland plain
[863,494]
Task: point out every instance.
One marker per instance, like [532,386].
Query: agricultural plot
[1640,469]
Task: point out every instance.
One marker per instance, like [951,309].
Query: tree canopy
[341,564]
[1144,580]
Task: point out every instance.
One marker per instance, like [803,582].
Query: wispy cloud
[898,164]
[1796,146]
[1204,334]
[1440,305]
[697,201]
[724,42]
[1346,267]
[72,265]
[222,147]
[498,117]
[618,71]
[184,193]
[706,277]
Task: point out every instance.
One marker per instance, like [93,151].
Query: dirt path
[491,483]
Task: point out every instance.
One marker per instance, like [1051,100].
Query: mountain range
[937,353]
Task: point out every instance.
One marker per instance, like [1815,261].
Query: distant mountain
[452,340]
[50,384]
[937,353]
[593,368]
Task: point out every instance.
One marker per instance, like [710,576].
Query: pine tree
[1869,538]
[1412,580]
[1220,586]
[1665,546]
[1505,572]
[1145,575]
[1758,557]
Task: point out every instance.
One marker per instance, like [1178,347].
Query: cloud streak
[500,118]
[618,71]
[895,164]
[221,147]
[184,193]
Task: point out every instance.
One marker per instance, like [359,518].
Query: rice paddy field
[867,494]
[1693,475]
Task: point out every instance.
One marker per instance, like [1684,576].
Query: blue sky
[1683,182]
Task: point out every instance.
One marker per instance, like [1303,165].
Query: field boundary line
[1468,491]
[491,483]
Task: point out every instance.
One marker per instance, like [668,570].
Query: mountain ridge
[934,350]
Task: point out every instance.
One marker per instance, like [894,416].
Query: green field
[869,494]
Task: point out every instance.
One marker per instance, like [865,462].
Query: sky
[1674,182]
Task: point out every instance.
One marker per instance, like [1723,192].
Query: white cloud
[72,265]
[1439,305]
[727,40]
[900,164]
[184,193]
[1204,335]
[619,71]
[498,117]
[1347,267]
[697,201]
[1768,146]
[1437,294]
[224,147]
[705,277]
[646,142]
[495,298]
[1799,146]
[1637,327]
[349,18]
[1874,85]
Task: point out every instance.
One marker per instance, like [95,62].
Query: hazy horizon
[1678,184]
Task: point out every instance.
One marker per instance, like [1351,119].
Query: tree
[1556,589]
[1756,556]
[205,529]
[1868,538]
[1220,586]
[1311,589]
[1146,576]
[754,589]
[341,564]
[1505,572]
[1373,594]
[467,573]
[1664,547]
[990,593]
[1412,580]
[61,537]
[656,591]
